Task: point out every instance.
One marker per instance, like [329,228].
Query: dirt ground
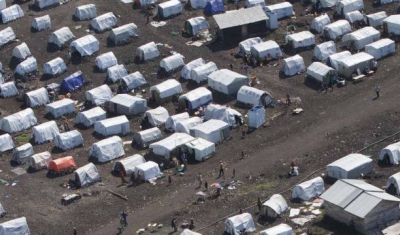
[332,125]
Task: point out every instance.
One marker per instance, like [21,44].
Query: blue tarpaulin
[72,82]
[213,7]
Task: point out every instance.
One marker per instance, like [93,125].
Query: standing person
[240,211]
[244,132]
[288,101]
[133,178]
[75,232]
[200,180]
[377,90]
[259,204]
[221,169]
[169,180]
[65,124]
[206,185]
[122,175]
[231,66]
[174,225]
[139,178]
[124,215]
[245,67]
[233,173]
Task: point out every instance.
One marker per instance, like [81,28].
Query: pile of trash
[307,213]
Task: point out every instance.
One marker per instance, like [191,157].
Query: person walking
[206,185]
[124,215]
[75,232]
[377,90]
[233,173]
[231,66]
[133,178]
[259,204]
[200,180]
[174,225]
[221,169]
[288,101]
[169,180]
[122,176]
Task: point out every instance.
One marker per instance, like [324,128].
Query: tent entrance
[392,189]
[257,28]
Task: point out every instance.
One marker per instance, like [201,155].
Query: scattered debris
[118,195]
[158,24]
[294,212]
[68,199]
[78,26]
[303,219]
[19,171]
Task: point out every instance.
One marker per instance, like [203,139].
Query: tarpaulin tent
[262,50]
[6,142]
[284,9]
[381,48]
[324,50]
[172,62]
[186,70]
[354,16]
[86,12]
[171,122]
[60,165]
[148,170]
[133,81]
[333,59]
[200,74]
[274,207]
[391,153]
[37,97]
[85,46]
[113,126]
[336,30]
[40,160]
[200,149]
[309,189]
[99,95]
[223,113]
[104,22]
[21,51]
[72,82]
[376,19]
[184,126]
[127,165]
[195,25]
[393,184]
[195,98]
[11,13]
[61,37]
[3,4]
[86,175]
[46,3]
[19,121]
[106,60]
[318,23]
[147,51]
[165,90]
[256,116]
[116,72]
[7,35]
[358,39]
[253,96]
[27,66]
[22,154]
[391,25]
[125,104]
[227,81]
[236,224]
[349,65]
[252,3]
[8,89]
[351,166]
[345,6]
[169,8]
[328,3]
[189,232]
[107,149]
[68,140]
[321,73]
[60,107]
[170,144]
[293,65]
[281,229]
[45,132]
[212,130]
[146,137]
[196,4]
[157,116]
[15,227]
[214,7]
[89,117]
[244,46]
[54,67]
[301,39]
[123,33]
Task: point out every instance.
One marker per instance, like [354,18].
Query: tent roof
[378,15]
[226,76]
[197,20]
[169,3]
[171,142]
[124,28]
[105,142]
[278,229]
[361,33]
[351,161]
[60,103]
[199,144]
[109,122]
[356,58]
[300,36]
[211,126]
[267,45]
[381,43]
[166,85]
[277,203]
[319,68]
[94,112]
[196,94]
[394,19]
[240,17]
[340,55]
[125,99]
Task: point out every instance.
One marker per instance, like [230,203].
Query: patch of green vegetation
[261,187]
[23,138]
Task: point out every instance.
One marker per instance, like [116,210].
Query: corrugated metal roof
[362,205]
[384,196]
[363,185]
[341,194]
[240,17]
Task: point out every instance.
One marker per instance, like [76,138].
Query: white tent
[274,207]
[172,62]
[244,46]
[61,37]
[22,154]
[166,146]
[106,60]
[328,3]
[27,66]
[301,39]
[351,166]
[86,175]
[376,19]
[256,117]
[320,72]
[3,4]
[6,142]
[293,65]
[196,24]
[86,12]
[116,72]
[107,149]
[60,107]
[104,22]
[393,183]
[196,4]
[345,6]
[89,117]
[333,59]
[8,89]
[261,50]
[123,33]
[54,67]
[45,132]
[284,9]
[223,113]
[358,39]
[169,8]
[16,226]
[11,13]
[281,229]
[200,74]
[37,97]
[212,130]
[309,189]
[253,96]
[227,81]
[125,104]
[113,126]
[252,3]
[336,30]
[21,51]
[7,35]
[157,116]
[235,224]
[391,153]
[19,121]
[99,95]
[85,46]
[171,122]
[349,65]
[133,81]
[148,170]
[381,48]
[354,16]
[144,138]
[189,232]
[324,50]
[128,164]
[68,140]
[186,70]
[2,211]
[195,98]
[46,3]
[166,89]
[318,23]
[392,25]
[200,148]
[184,126]
[40,161]
[147,51]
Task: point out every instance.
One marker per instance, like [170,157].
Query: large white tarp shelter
[252,3]
[60,107]
[27,66]
[46,3]
[113,126]
[107,149]
[223,113]
[345,6]
[336,30]
[301,39]
[293,65]
[116,72]
[227,81]
[125,104]
[253,96]
[261,50]
[375,19]
[349,65]
[195,25]
[172,62]
[86,12]
[166,146]
[7,35]
[8,89]
[157,116]
[89,117]
[391,153]
[166,89]
[6,142]
[19,121]
[351,166]
[200,148]
[320,72]
[40,160]
[169,8]
[244,46]
[86,175]
[196,4]
[123,33]
[200,74]
[324,50]
[68,140]
[184,126]
[106,60]
[85,46]
[15,227]
[186,70]
[381,48]
[11,13]
[171,122]
[148,170]
[104,22]
[354,16]
[45,132]
[127,165]
[284,9]
[37,97]
[392,24]
[358,39]
[99,95]
[235,224]
[21,51]
[133,81]
[195,98]
[394,181]
[54,67]
[23,153]
[61,36]
[333,59]
[309,189]
[144,138]
[274,207]
[318,23]
[212,130]
[281,229]
[147,51]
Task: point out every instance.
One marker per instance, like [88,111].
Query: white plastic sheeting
[252,3]
[7,35]
[106,60]
[113,126]
[212,130]
[196,4]
[166,146]
[68,140]
[360,38]
[125,104]
[99,95]
[337,29]
[301,39]
[45,132]
[61,36]
[244,46]
[169,8]
[189,232]
[171,122]
[351,166]
[328,3]
[104,22]
[54,67]
[187,69]
[143,138]
[107,149]
[227,81]
[184,126]
[147,51]
[350,64]
[309,189]
[11,13]
[86,12]
[333,59]
[200,148]
[133,81]
[89,117]
[85,46]
[196,98]
[8,89]
[15,227]
[256,116]
[318,23]
[392,24]
[60,107]
[40,161]
[274,207]
[46,3]
[128,164]
[3,5]
[345,6]
[261,50]
[167,88]
[223,113]
[253,96]
[148,170]
[22,154]
[381,48]
[293,65]
[354,16]
[196,25]
[37,97]
[116,72]
[157,116]
[86,175]
[27,66]
[200,74]
[281,229]
[324,50]
[19,121]
[391,151]
[376,19]
[284,9]
[395,181]
[6,142]
[123,33]
[21,51]
[319,71]
[172,62]
[235,224]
